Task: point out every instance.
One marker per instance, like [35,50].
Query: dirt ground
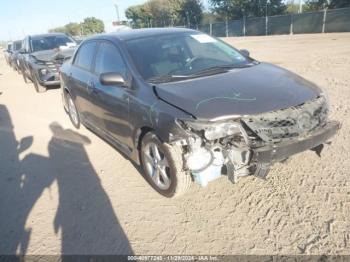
[67,191]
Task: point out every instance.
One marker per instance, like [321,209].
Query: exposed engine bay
[249,145]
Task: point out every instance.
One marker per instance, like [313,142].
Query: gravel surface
[67,191]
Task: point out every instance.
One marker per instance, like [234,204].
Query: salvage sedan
[189,108]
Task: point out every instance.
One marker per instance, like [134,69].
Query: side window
[109,60]
[85,56]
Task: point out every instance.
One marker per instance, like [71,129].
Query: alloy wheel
[157,166]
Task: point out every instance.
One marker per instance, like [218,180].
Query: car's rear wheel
[38,88]
[163,167]
[73,112]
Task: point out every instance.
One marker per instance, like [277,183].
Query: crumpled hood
[245,91]
[53,54]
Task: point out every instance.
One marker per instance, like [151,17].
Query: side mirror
[25,143]
[245,52]
[113,79]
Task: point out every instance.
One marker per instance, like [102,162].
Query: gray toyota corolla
[189,108]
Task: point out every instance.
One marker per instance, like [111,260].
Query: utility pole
[266,17]
[117,10]
[188,20]
[300,6]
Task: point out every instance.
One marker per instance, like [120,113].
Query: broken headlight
[199,159]
[213,130]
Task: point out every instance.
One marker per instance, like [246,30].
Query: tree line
[89,26]
[191,13]
[158,13]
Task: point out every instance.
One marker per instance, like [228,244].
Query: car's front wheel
[38,88]
[24,75]
[163,167]
[73,112]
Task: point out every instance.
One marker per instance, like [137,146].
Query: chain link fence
[326,21]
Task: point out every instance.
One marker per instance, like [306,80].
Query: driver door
[112,102]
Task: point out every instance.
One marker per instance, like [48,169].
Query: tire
[73,112]
[178,182]
[38,88]
[18,68]
[24,76]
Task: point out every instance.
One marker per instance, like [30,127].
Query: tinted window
[41,43]
[85,55]
[108,60]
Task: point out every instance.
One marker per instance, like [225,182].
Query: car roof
[140,33]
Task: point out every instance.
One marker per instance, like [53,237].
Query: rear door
[80,81]
[112,101]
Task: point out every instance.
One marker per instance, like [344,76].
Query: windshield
[50,42]
[182,55]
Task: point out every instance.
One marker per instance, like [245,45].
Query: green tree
[209,17]
[92,25]
[316,5]
[292,7]
[165,13]
[339,3]
[236,9]
[191,12]
[160,12]
[61,29]
[138,16]
[73,29]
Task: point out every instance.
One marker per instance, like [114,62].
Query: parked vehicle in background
[79,39]
[188,107]
[13,60]
[8,52]
[42,56]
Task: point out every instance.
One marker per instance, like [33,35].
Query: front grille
[53,66]
[289,123]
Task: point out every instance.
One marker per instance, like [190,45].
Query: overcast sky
[21,17]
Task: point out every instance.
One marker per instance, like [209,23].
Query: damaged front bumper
[238,161]
[281,151]
[267,155]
